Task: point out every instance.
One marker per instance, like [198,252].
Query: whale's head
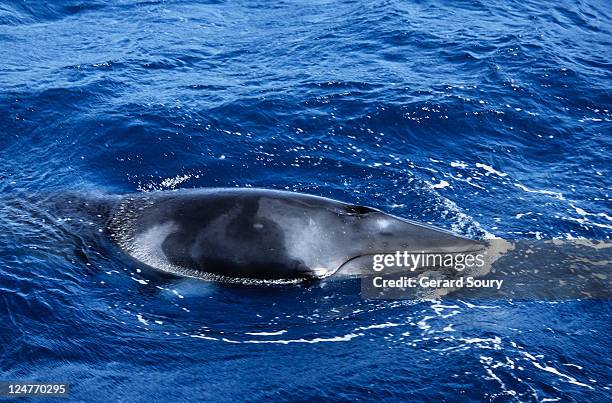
[372,233]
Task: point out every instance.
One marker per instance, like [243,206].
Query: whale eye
[358,210]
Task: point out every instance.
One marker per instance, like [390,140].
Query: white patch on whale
[147,246]
[305,238]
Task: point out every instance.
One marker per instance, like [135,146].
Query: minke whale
[262,235]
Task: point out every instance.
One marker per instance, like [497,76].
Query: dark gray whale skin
[261,234]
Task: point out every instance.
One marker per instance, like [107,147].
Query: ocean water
[486,118]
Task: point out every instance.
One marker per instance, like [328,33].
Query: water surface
[487,118]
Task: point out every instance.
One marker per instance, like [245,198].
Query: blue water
[487,118]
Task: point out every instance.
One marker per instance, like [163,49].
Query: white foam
[201,336]
[141,281]
[142,320]
[490,170]
[586,213]
[440,185]
[167,183]
[496,341]
[378,326]
[346,337]
[458,164]
[557,195]
[277,333]
[555,371]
